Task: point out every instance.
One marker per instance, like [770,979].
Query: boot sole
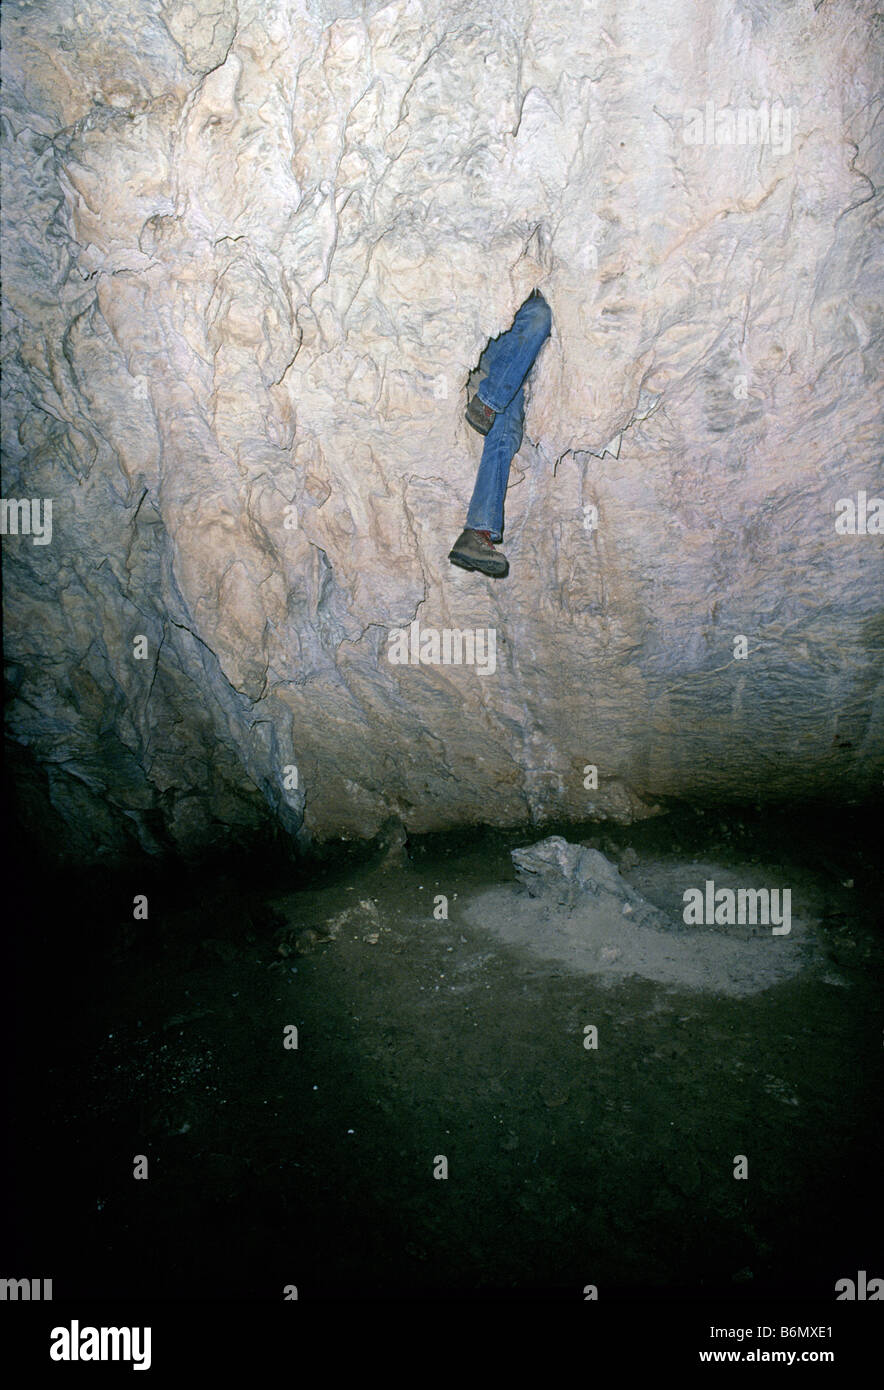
[477,428]
[465,564]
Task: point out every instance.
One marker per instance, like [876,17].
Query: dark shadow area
[421,1038]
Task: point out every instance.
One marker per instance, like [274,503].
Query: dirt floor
[441,1127]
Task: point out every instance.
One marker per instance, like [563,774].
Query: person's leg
[502,443]
[497,412]
[508,359]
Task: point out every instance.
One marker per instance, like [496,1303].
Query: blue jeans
[507,360]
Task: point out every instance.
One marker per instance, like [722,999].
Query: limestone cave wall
[252,251]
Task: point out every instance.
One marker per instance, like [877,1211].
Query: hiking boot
[479,415]
[474,550]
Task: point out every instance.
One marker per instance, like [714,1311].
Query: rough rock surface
[252,250]
[570,874]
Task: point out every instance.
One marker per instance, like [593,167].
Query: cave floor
[422,1042]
